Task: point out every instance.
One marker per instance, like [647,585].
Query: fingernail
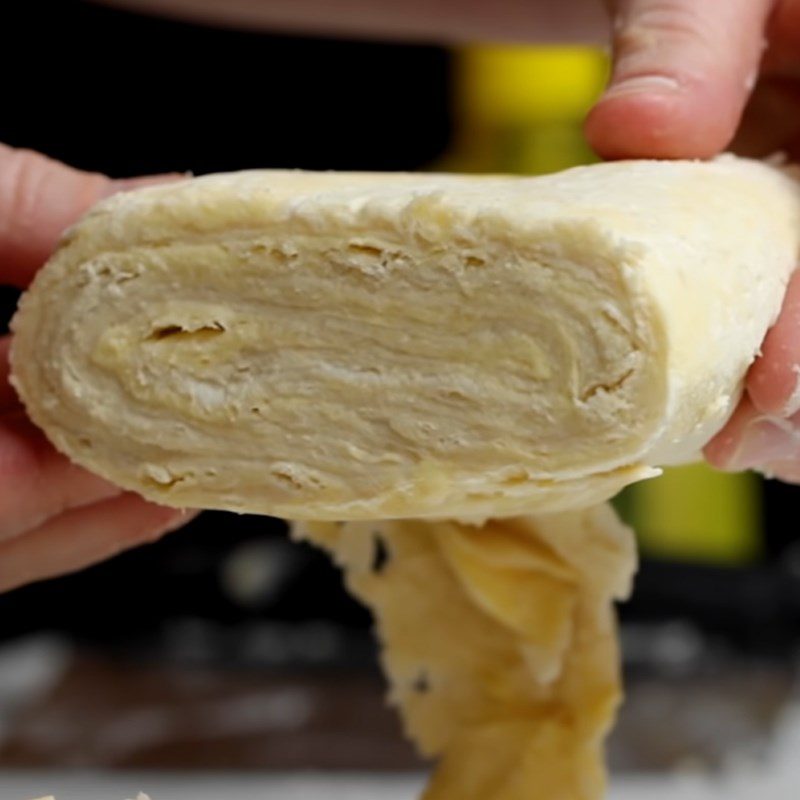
[127,184]
[792,405]
[765,440]
[643,84]
[786,471]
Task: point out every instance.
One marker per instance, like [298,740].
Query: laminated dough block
[354,346]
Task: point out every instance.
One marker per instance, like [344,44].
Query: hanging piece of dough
[363,347]
[499,643]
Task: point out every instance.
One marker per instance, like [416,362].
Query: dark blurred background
[227,611]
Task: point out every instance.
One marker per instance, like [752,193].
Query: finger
[39,198]
[722,449]
[773,382]
[36,482]
[8,397]
[682,72]
[786,471]
[771,121]
[754,440]
[783,34]
[84,536]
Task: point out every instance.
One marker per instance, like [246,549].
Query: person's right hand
[691,78]
[54,516]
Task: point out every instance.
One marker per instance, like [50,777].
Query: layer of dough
[349,346]
[499,643]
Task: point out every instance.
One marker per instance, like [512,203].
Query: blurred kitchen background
[226,648]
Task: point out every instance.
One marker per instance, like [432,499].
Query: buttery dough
[332,346]
[329,347]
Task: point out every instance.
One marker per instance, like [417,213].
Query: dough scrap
[328,347]
[499,643]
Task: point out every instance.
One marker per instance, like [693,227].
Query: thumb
[39,198]
[682,73]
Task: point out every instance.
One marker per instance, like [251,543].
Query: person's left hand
[54,516]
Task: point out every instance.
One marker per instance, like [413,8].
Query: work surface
[61,710]
[70,786]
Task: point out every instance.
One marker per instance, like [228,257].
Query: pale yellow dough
[332,347]
[499,642]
